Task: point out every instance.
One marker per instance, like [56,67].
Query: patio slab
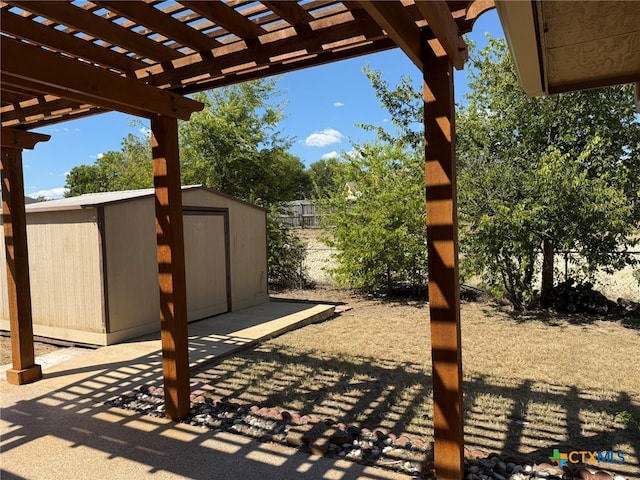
[59,427]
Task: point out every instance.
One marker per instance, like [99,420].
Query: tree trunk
[547,271]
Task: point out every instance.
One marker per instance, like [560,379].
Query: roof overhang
[563,46]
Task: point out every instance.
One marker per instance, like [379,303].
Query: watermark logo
[593,457]
[559,458]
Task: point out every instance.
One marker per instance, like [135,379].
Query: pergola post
[24,368]
[171,265]
[442,242]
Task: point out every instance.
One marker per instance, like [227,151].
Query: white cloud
[323,138]
[353,153]
[328,155]
[145,131]
[338,104]
[51,194]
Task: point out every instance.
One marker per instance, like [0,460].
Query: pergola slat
[84,21]
[24,28]
[227,17]
[161,23]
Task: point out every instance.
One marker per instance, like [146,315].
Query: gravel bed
[327,437]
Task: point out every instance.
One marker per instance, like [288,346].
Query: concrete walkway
[60,428]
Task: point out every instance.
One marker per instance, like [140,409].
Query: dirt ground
[41,348]
[532,382]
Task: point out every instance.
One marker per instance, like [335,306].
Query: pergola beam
[24,369]
[291,12]
[392,17]
[13,138]
[311,41]
[46,72]
[444,27]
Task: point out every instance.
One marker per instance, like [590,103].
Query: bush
[285,255]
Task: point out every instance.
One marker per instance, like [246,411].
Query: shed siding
[65,272]
[131,265]
[205,265]
[247,226]
[94,271]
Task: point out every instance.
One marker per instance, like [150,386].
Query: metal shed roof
[93,200]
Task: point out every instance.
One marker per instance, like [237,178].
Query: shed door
[206,264]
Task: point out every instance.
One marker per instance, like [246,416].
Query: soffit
[576,44]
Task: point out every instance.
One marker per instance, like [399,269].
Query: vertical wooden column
[171,265]
[24,368]
[442,241]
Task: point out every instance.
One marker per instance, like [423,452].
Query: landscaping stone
[326,437]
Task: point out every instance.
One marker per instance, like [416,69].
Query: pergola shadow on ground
[510,417]
[69,432]
[62,418]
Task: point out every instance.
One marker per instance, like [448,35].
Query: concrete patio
[60,427]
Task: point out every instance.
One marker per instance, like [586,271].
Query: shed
[94,267]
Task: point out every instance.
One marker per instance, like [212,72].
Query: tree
[380,235]
[323,178]
[539,175]
[233,145]
[127,169]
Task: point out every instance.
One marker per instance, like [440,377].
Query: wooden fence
[300,214]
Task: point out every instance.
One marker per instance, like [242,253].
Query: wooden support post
[442,242]
[14,218]
[171,265]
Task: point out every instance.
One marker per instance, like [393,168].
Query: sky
[323,107]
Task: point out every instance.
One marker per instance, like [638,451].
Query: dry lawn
[532,383]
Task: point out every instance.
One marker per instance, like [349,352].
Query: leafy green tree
[323,178]
[540,175]
[234,145]
[127,169]
[380,235]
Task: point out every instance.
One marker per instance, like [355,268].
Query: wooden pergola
[66,60]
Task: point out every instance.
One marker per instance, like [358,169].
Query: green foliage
[323,178]
[560,170]
[629,417]
[404,104]
[380,235]
[127,169]
[286,255]
[233,145]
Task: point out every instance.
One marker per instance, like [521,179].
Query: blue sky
[324,104]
